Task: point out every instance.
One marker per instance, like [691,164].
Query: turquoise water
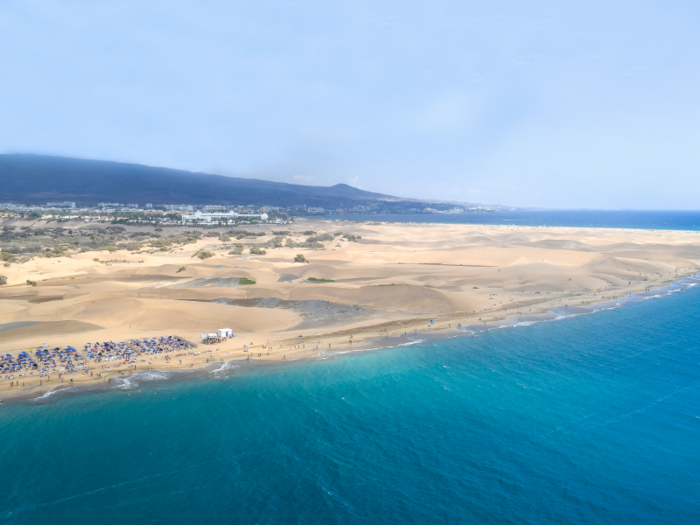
[633,219]
[594,419]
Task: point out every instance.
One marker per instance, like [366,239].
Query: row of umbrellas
[69,356]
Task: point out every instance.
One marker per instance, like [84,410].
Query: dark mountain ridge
[37,179]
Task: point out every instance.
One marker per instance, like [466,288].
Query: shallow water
[594,419]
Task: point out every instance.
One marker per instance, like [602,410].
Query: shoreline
[369,286]
[130,382]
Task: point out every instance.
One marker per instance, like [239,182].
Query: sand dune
[399,274]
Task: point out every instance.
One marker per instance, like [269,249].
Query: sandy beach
[375,280]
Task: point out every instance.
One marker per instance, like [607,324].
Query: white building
[230,215]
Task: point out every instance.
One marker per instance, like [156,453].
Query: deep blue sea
[593,419]
[654,220]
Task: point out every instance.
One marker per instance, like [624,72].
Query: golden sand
[397,278]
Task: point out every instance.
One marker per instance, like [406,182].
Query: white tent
[225,332]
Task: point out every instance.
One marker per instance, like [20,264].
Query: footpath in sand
[394,279]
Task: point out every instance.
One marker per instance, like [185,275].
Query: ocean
[591,419]
[632,219]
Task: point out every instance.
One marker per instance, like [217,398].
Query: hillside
[36,179]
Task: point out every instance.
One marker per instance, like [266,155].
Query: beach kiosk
[210,338]
[225,333]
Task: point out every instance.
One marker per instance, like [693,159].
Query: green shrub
[182,269]
[3,280]
[203,254]
[276,242]
[7,256]
[245,280]
[315,280]
[31,283]
[237,249]
[256,250]
[299,258]
[55,252]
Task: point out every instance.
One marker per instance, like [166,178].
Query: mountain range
[38,179]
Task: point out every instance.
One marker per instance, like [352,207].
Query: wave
[151,375]
[417,341]
[131,382]
[224,369]
[124,383]
[45,395]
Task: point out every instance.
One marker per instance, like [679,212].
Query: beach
[371,284]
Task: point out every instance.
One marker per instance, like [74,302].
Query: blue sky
[557,104]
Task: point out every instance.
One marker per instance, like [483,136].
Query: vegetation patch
[203,254]
[276,242]
[299,258]
[182,269]
[245,280]
[320,238]
[3,280]
[31,283]
[316,280]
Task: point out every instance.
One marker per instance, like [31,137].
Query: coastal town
[220,215]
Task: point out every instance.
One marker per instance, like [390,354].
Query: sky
[586,104]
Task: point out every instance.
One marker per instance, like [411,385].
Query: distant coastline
[626,219]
